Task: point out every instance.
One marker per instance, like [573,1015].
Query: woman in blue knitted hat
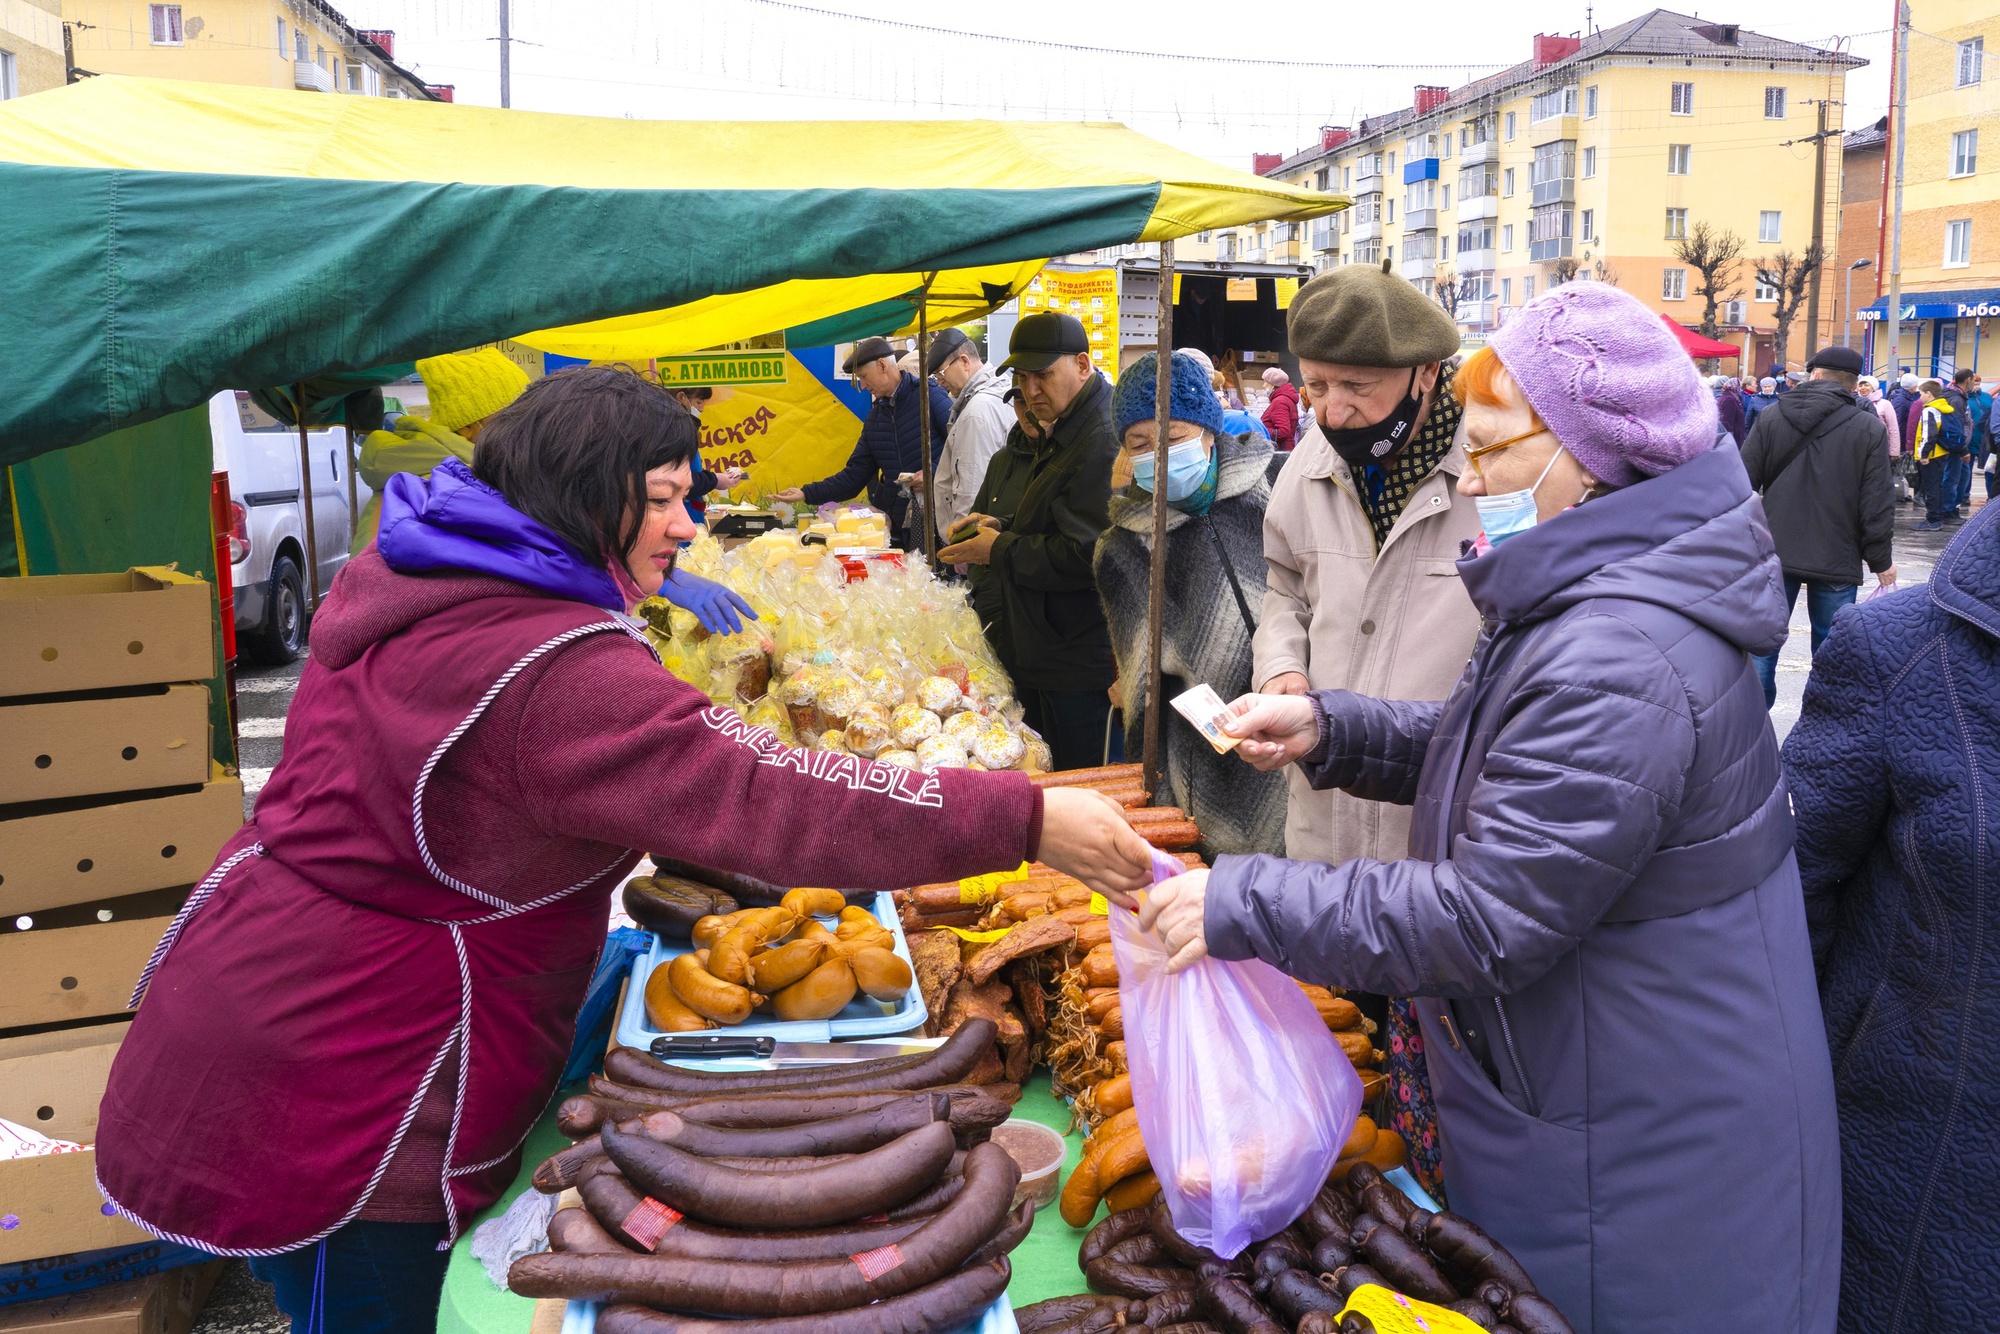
[1216,491]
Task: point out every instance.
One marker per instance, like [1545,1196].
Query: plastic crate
[581,1318]
[863,1017]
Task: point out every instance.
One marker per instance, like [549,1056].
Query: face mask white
[1512,512]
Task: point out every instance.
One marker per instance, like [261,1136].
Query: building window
[319,57]
[166,25]
[1590,102]
[1958,243]
[1347,178]
[1510,125]
[1965,152]
[1683,99]
[281,39]
[1320,178]
[1389,252]
[1586,224]
[1506,291]
[1547,106]
[1673,284]
[1527,289]
[8,88]
[1203,237]
[354,80]
[1677,224]
[1774,104]
[1971,61]
[1769,224]
[1507,238]
[1677,159]
[1446,201]
[1766,291]
[1507,183]
[299,44]
[1392,161]
[1478,182]
[1590,159]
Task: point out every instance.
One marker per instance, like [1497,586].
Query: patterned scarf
[1384,491]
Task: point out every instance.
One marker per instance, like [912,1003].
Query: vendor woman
[1601,914]
[365,1006]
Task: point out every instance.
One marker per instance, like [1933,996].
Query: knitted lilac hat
[1618,390]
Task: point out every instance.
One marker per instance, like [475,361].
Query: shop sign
[1089,294]
[754,361]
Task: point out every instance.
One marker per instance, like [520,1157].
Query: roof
[1867,139]
[334,16]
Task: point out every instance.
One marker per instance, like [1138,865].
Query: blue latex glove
[715,606]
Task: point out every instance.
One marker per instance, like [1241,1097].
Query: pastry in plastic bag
[940,695]
[912,724]
[941,752]
[998,748]
[1040,759]
[839,696]
[902,759]
[884,687]
[831,739]
[964,728]
[868,731]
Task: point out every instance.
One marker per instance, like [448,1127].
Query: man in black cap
[891,443]
[1821,458]
[1058,647]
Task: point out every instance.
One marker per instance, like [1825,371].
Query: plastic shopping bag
[1244,1098]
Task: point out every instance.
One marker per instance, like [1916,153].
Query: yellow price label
[1099,906]
[980,888]
[979,937]
[1393,1313]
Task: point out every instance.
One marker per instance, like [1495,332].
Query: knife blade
[705,1046]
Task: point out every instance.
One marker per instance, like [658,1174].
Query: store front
[1940,331]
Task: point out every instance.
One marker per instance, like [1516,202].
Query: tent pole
[1157,581]
[924,419]
[353,490]
[306,498]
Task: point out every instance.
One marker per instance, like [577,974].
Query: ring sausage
[949,1303]
[575,1232]
[843,1134]
[611,1201]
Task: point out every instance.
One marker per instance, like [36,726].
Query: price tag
[1099,905]
[1393,1313]
[649,1221]
[979,937]
[873,1264]
[980,888]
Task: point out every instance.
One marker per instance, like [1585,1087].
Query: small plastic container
[1039,1151]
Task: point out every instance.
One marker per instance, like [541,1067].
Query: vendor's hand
[1886,578]
[1085,834]
[1287,683]
[1117,700]
[1174,908]
[791,494]
[731,478]
[974,550]
[716,606]
[1276,729]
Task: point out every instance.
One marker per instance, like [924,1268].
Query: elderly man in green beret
[1361,534]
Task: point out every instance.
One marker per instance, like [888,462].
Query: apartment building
[270,43]
[1856,264]
[31,47]
[1951,192]
[1591,160]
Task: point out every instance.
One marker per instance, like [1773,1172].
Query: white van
[267,540]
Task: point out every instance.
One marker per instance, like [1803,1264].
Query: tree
[1713,253]
[1562,270]
[1449,291]
[1788,275]
[1605,273]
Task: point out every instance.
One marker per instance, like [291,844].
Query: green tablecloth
[1044,1264]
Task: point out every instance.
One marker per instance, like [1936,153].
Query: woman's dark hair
[574,449]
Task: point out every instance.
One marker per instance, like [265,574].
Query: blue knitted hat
[1191,399]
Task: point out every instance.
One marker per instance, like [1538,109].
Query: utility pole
[1898,114]
[506,53]
[1818,227]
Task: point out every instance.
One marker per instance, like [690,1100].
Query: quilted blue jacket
[1600,918]
[1893,767]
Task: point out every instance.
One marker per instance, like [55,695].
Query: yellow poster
[1287,288]
[1089,294]
[784,434]
[1240,289]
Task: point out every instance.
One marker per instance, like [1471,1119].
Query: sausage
[1331,1253]
[729,957]
[559,1171]
[1139,1250]
[812,1197]
[668,1012]
[948,1064]
[1111,1230]
[585,1114]
[575,1232]
[843,1134]
[668,906]
[1105,1274]
[949,1303]
[1056,1311]
[1121,1149]
[1349,1277]
[1280,1253]
[1360,1140]
[1170,1308]
[1380,1198]
[1119,773]
[1318,1322]
[1329,1215]
[1478,1312]
[1170,837]
[611,1201]
[1407,1268]
[711,929]
[1290,1293]
[881,973]
[1357,1047]
[1187,1327]
[773,970]
[1528,1312]
[706,994]
[1134,1192]
[820,994]
[1011,1234]
[1160,1226]
[1226,1302]
[806,903]
[794,1288]
[941,1193]
[744,889]
[1460,1242]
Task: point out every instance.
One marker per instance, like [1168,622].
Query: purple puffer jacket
[1604,914]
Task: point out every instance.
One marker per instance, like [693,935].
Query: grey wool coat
[1601,918]
[1205,640]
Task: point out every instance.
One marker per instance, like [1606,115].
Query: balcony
[1417,270]
[1420,169]
[1478,154]
[1541,251]
[1480,206]
[1366,231]
[1283,252]
[1368,183]
[1478,261]
[1481,314]
[1560,191]
[307,75]
[1420,220]
[1555,127]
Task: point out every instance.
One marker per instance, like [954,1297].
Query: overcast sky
[754,59]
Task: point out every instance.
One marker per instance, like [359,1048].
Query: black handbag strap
[1242,603]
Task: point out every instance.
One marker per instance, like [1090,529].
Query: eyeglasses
[1474,453]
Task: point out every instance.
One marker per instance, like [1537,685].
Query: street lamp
[1847,328]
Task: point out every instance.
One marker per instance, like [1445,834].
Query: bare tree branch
[1713,252]
[1789,275]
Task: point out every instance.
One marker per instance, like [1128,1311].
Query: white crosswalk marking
[247,728]
[253,780]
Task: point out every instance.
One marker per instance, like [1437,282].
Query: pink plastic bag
[1244,1098]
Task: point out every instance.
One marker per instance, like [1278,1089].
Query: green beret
[1359,315]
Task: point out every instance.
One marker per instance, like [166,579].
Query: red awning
[1698,346]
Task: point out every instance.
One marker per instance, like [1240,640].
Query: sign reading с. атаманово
[753,361]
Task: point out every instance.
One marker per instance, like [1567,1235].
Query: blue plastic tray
[581,1318]
[863,1018]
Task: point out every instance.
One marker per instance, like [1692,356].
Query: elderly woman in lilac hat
[1600,912]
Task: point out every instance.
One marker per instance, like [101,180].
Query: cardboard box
[118,743]
[64,974]
[53,1202]
[109,848]
[157,1304]
[63,632]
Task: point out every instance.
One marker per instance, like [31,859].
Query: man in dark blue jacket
[891,444]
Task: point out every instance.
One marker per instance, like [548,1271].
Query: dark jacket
[1831,509]
[1281,416]
[1729,407]
[891,444]
[1958,426]
[1205,639]
[1054,626]
[1893,766]
[1603,909]
[1753,408]
[999,495]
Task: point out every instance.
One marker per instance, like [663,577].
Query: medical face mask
[1363,446]
[1512,512]
[1187,469]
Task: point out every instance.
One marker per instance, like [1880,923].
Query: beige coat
[1397,625]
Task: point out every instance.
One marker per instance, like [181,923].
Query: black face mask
[1371,446]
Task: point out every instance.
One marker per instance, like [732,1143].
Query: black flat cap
[1837,359]
[865,351]
[943,348]
[1041,338]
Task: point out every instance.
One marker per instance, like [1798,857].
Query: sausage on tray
[949,1303]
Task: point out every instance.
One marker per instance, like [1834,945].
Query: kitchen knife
[708,1046]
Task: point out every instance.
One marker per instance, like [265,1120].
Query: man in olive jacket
[1821,460]
[1059,648]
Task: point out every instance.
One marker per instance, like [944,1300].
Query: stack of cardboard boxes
[110,811]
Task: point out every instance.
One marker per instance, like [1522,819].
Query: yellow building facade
[1589,161]
[31,47]
[265,43]
[1951,191]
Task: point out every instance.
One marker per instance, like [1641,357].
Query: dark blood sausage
[1160,1223]
[747,890]
[1364,1224]
[792,1288]
[933,1198]
[1379,1197]
[576,1232]
[667,907]
[1350,1277]
[1170,1308]
[1113,1229]
[1290,1293]
[1528,1312]
[1460,1242]
[1226,1302]
[970,1105]
[1318,1322]
[1332,1253]
[559,1171]
[1187,1327]
[611,1200]
[1125,1279]
[1329,1215]
[1284,1251]
[1057,1311]
[842,1134]
[1407,1268]
[949,1303]
[1011,1234]
[585,1114]
[866,1184]
[1140,1250]
[949,1063]
[1478,1312]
